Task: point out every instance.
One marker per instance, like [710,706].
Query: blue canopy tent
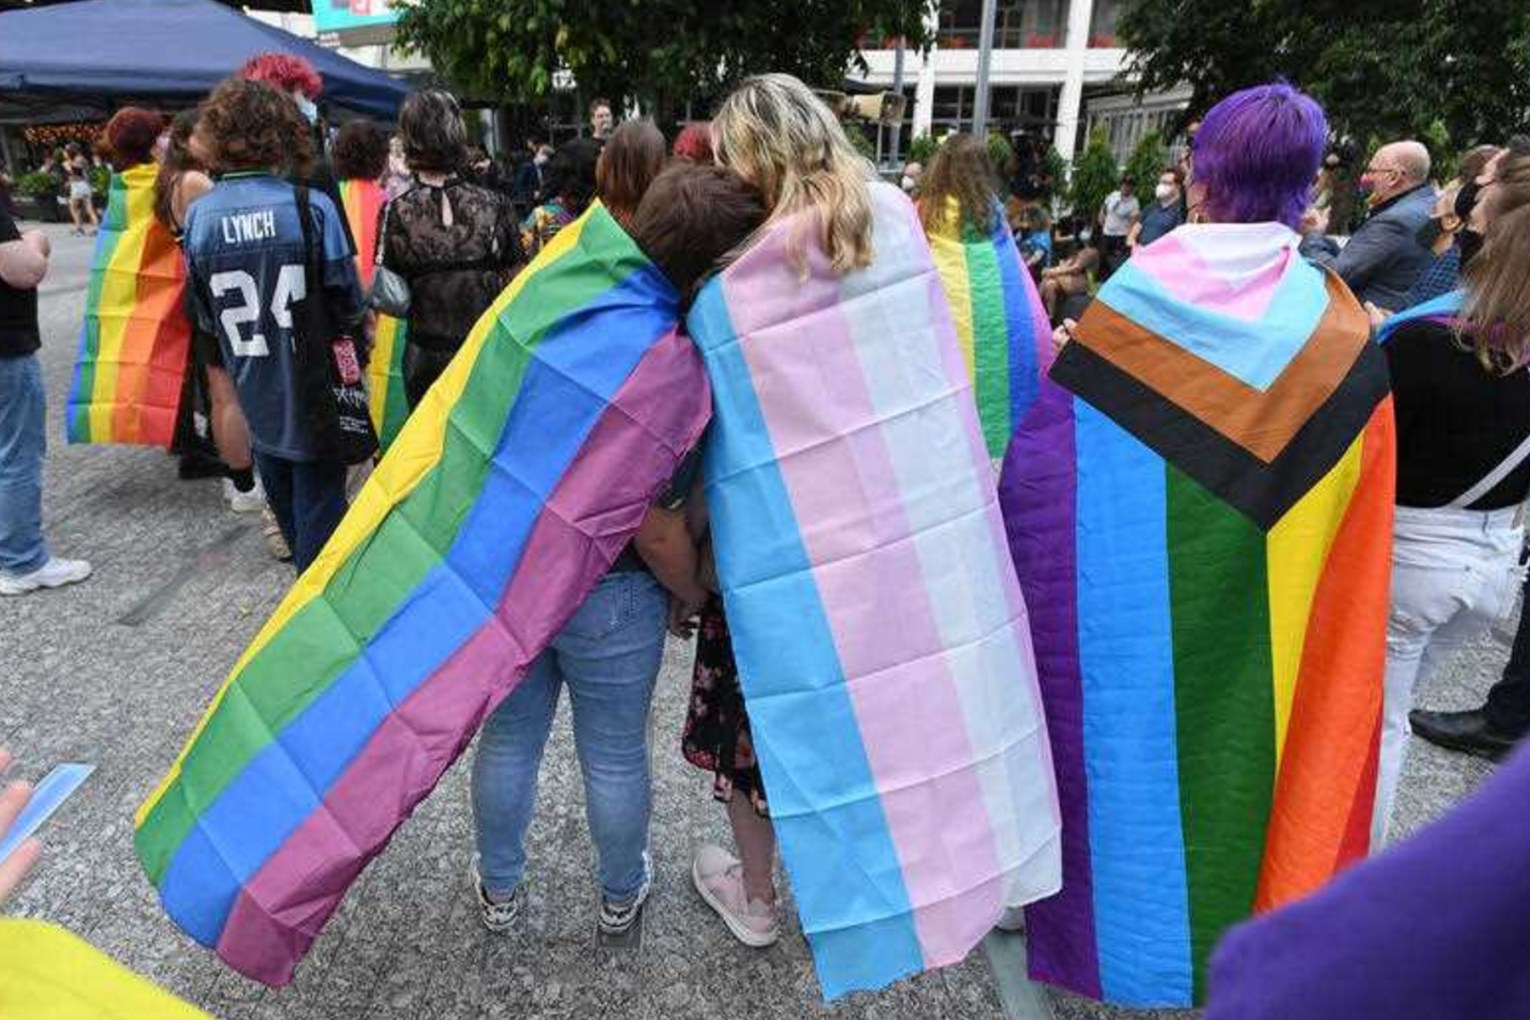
[97,55]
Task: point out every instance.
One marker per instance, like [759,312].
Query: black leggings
[422,366]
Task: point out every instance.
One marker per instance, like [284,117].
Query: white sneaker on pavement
[719,878]
[251,502]
[498,916]
[54,574]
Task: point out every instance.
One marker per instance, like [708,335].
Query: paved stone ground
[116,672]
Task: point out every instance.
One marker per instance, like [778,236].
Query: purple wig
[1257,152]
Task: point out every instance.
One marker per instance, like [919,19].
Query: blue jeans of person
[608,656]
[308,499]
[22,445]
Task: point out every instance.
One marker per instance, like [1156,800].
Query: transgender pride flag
[882,641]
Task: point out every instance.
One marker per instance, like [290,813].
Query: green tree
[1389,68]
[1147,161]
[922,149]
[659,52]
[1095,176]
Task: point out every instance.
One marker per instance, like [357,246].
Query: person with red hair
[286,73]
[131,135]
[694,142]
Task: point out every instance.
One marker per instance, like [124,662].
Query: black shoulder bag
[329,376]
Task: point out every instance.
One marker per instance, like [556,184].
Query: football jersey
[244,253]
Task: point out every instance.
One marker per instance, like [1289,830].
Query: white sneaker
[250,502]
[719,878]
[54,574]
[498,916]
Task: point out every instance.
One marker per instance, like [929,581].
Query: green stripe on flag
[111,232]
[990,342]
[1224,706]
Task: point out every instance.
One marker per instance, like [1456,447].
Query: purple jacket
[1437,926]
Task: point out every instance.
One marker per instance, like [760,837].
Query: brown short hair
[631,159]
[250,126]
[361,151]
[131,134]
[435,139]
[692,216]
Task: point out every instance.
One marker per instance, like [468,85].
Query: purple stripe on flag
[1040,513]
[657,414]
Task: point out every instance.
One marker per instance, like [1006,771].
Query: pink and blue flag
[882,641]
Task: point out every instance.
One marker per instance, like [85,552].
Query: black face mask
[1466,198]
[1429,233]
[1470,243]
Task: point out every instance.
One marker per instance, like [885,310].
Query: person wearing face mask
[1462,401]
[1166,212]
[1383,258]
[912,172]
[531,178]
[1442,234]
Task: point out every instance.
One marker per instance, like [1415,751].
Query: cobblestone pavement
[117,670]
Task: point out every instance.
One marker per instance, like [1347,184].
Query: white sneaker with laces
[54,574]
[250,502]
[719,878]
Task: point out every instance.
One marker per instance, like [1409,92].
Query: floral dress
[717,734]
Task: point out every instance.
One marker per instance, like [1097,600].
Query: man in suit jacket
[1385,257]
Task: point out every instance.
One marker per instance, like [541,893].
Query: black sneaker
[617,919]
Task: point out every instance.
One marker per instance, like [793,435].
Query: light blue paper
[54,789]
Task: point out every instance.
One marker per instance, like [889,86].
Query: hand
[1063,334]
[1314,221]
[682,617]
[39,240]
[12,799]
[1378,316]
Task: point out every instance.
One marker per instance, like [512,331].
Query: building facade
[1050,59]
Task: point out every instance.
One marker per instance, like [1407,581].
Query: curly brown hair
[245,125]
[361,151]
[961,171]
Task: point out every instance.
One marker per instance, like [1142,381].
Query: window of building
[1102,24]
[1010,108]
[1018,24]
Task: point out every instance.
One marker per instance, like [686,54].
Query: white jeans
[1454,573]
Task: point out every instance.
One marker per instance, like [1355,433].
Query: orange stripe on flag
[1327,777]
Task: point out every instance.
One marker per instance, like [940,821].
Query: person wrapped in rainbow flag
[1200,510]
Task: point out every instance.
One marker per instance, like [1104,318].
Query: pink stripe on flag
[1182,271]
[845,496]
[585,524]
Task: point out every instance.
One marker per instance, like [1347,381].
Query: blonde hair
[780,138]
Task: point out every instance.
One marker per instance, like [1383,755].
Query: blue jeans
[22,445]
[308,499]
[608,655]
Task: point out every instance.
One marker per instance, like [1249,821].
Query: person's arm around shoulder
[24,261]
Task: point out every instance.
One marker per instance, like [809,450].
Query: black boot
[1463,731]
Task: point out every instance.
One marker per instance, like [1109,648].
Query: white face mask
[540,159]
[1164,192]
[306,107]
[908,183]
[1085,235]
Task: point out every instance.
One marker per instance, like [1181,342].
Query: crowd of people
[250,188]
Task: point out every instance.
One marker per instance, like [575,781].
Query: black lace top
[457,245]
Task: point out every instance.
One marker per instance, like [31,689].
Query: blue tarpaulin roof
[109,52]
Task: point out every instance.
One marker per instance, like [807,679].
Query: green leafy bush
[1094,176]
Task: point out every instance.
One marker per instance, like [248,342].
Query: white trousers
[1454,574]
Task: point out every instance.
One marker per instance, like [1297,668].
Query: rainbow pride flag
[135,343]
[1200,510]
[1000,322]
[363,202]
[506,497]
[881,638]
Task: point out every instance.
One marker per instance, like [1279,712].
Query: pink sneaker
[719,878]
